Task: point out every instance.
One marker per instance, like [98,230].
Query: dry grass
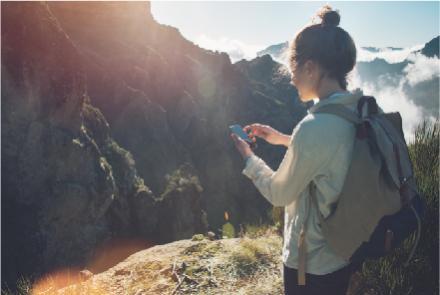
[200,266]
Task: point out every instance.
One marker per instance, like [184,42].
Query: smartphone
[238,130]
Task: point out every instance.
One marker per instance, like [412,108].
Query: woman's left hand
[242,146]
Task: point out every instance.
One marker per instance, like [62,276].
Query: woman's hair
[326,43]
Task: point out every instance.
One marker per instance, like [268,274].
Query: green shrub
[23,287]
[181,179]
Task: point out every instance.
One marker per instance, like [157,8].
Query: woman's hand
[267,133]
[241,145]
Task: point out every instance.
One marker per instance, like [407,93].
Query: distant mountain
[376,49]
[371,49]
[371,70]
[394,48]
[431,48]
[277,51]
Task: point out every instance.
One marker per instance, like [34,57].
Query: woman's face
[304,78]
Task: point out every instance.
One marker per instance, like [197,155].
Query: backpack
[379,205]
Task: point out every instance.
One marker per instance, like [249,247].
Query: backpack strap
[372,107]
[340,111]
[315,201]
[302,248]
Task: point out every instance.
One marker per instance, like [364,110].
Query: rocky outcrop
[191,266]
[67,186]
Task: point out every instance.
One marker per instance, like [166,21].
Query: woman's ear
[310,67]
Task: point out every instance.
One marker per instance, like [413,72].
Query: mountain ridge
[120,129]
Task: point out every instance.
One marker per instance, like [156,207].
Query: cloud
[388,54]
[283,57]
[392,98]
[421,68]
[236,49]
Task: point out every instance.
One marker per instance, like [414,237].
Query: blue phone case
[237,129]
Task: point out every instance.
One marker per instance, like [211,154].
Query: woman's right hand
[267,133]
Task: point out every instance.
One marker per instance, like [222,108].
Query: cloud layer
[422,68]
[236,49]
[388,54]
[393,98]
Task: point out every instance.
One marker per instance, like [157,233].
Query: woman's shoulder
[323,123]
[323,132]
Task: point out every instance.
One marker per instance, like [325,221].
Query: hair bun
[329,16]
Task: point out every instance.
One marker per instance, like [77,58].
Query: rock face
[114,126]
[67,186]
[169,102]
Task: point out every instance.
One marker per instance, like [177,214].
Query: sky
[254,25]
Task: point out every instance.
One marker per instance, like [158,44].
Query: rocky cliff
[67,186]
[116,127]
[170,102]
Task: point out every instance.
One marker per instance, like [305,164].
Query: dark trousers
[335,283]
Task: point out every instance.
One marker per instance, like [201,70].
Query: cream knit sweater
[320,150]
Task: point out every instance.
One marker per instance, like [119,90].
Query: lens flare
[114,251]
[76,280]
[56,280]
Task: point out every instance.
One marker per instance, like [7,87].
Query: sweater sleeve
[285,185]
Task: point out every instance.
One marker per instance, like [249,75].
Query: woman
[318,151]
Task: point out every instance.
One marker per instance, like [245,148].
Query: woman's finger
[255,129]
[252,126]
[247,128]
